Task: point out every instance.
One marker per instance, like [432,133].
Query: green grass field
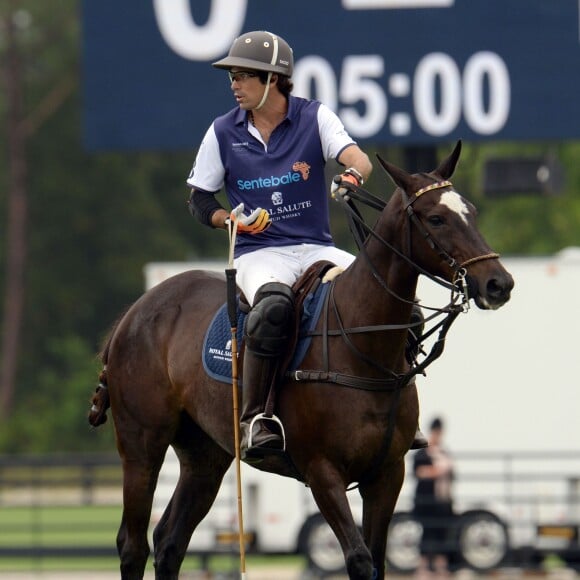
[86,526]
[192,563]
[57,527]
[49,526]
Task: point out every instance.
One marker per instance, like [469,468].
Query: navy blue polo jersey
[286,178]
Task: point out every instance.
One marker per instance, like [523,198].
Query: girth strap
[363,383]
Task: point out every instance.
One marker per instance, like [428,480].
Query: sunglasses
[241,77]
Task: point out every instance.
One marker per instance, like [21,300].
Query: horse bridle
[361,230]
[459,269]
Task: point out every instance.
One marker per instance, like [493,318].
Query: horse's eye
[435,220]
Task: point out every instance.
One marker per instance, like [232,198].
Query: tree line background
[78,227]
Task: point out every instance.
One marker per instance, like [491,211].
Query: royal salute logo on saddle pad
[217,344]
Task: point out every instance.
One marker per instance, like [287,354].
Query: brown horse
[358,430]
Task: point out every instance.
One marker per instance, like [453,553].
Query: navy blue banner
[396,71]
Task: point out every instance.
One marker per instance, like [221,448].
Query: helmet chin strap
[273,61]
[266,91]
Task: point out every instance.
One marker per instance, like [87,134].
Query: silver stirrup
[273,419]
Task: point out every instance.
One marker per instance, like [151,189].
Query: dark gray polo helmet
[259,50]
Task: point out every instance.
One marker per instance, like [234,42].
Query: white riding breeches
[283,264]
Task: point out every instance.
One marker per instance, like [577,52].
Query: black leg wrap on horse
[415,333]
[267,334]
[412,351]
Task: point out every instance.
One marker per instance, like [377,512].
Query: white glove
[254,223]
[337,189]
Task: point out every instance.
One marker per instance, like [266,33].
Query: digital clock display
[437,94]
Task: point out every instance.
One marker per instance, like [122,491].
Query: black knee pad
[269,324]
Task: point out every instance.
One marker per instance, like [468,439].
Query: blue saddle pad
[217,344]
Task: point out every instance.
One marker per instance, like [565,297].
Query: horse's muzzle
[492,292]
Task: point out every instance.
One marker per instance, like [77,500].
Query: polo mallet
[233,316]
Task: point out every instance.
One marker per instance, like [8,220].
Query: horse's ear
[447,167]
[399,176]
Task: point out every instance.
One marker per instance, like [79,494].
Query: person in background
[433,470]
[269,153]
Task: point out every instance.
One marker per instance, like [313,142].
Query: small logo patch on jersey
[303,168]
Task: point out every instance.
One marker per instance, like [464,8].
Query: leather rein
[392,381]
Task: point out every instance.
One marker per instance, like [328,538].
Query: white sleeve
[208,171]
[333,135]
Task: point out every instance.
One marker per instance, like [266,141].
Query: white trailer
[507,387]
[509,379]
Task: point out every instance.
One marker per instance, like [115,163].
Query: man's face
[247,88]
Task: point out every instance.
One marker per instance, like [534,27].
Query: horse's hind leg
[202,467]
[142,455]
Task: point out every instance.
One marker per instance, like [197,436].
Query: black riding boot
[267,334]
[265,433]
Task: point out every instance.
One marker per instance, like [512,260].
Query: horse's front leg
[379,499]
[329,491]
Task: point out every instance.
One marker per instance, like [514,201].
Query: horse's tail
[100,400]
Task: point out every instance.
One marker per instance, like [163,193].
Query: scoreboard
[405,72]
